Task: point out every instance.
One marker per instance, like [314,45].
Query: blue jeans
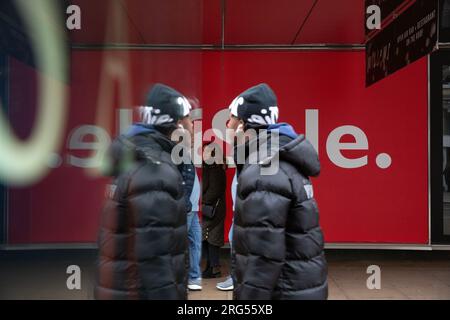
[195,245]
[230,233]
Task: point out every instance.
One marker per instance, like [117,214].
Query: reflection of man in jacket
[192,192]
[213,195]
[143,234]
[277,241]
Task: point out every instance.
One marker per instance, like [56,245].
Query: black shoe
[206,269]
[212,272]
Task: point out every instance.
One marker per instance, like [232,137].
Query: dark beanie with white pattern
[256,106]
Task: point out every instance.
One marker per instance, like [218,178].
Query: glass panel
[446,146]
[75,81]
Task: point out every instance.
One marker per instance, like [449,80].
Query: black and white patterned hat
[164,105]
[257,105]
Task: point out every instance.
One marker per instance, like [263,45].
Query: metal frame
[435,145]
[379,246]
[4,90]
[223,5]
[429,146]
[344,246]
[222,47]
[48,246]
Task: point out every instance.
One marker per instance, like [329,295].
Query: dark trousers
[211,254]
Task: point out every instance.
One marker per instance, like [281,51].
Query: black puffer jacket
[214,184]
[188,173]
[278,243]
[143,234]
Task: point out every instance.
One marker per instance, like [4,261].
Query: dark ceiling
[220,22]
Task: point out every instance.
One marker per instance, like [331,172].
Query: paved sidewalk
[404,275]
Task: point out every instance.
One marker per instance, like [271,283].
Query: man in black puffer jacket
[143,233]
[278,245]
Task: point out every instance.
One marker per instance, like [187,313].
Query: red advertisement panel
[372,142]
[375,193]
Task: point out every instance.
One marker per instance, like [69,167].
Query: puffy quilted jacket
[278,245]
[143,235]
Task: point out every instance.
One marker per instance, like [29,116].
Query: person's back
[143,233]
[277,243]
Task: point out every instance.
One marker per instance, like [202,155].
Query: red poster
[372,142]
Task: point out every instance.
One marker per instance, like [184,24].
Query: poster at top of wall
[410,33]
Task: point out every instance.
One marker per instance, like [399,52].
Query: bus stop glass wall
[71,87]
[446,146]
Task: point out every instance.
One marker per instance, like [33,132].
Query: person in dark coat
[193,192]
[213,194]
[278,245]
[143,234]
